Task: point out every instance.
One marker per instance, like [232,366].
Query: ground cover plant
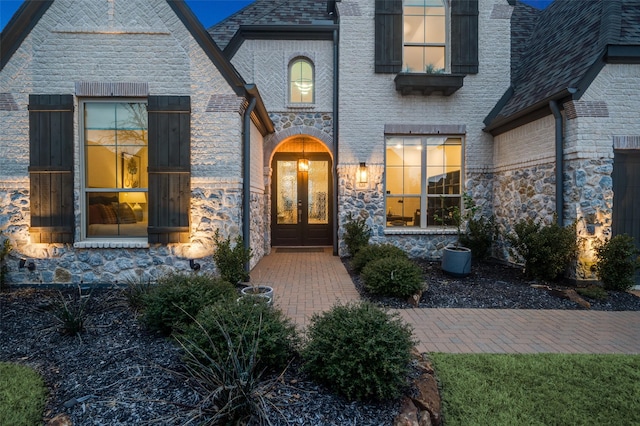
[539,389]
[22,395]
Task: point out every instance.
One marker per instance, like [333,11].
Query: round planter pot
[259,291]
[456,261]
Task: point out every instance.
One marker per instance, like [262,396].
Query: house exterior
[132,133]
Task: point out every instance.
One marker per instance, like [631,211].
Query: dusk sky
[209,12]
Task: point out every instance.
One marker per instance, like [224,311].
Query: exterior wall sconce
[303,165]
[362,176]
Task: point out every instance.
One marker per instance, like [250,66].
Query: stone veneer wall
[368,202]
[214,207]
[92,39]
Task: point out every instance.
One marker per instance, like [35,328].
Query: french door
[301,202]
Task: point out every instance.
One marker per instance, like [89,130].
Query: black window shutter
[388,36]
[51,168]
[169,168]
[464,36]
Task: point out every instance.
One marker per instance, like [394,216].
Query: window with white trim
[422,174]
[115,184]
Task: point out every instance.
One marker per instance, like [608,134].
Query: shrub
[356,234]
[246,322]
[393,276]
[231,261]
[178,298]
[226,372]
[479,237]
[5,249]
[375,251]
[360,351]
[617,262]
[546,250]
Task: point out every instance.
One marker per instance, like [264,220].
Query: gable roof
[30,12]
[273,13]
[565,51]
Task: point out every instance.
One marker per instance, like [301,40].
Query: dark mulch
[118,373]
[494,285]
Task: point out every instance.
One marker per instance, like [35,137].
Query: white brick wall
[618,86]
[531,144]
[137,41]
[266,63]
[368,101]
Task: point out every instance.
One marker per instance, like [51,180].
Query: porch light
[362,173]
[303,165]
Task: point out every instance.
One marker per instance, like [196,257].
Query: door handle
[299,211]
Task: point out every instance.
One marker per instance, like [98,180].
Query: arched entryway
[301,194]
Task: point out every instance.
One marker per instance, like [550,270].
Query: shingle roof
[270,12]
[569,38]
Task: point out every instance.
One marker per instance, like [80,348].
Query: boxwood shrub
[373,252]
[247,322]
[393,276]
[178,298]
[359,351]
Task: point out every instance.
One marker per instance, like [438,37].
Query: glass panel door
[301,200]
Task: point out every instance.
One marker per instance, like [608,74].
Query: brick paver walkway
[306,282]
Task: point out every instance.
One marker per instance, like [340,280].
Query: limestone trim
[111,89]
[626,142]
[110,244]
[273,140]
[425,129]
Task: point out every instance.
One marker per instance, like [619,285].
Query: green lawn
[22,395]
[540,389]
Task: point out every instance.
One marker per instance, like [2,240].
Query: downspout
[246,175]
[559,162]
[336,126]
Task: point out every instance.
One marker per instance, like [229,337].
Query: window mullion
[423,189]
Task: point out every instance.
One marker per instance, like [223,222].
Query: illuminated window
[301,82]
[422,174]
[116,183]
[425,37]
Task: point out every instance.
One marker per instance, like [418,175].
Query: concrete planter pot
[456,261]
[263,291]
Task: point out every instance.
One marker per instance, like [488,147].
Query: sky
[209,12]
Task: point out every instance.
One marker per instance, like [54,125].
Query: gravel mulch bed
[118,373]
[493,285]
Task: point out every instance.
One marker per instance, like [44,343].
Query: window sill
[412,230]
[112,243]
[301,106]
[428,84]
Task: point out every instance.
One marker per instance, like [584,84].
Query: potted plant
[456,259]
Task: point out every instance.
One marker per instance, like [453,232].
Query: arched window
[301,82]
